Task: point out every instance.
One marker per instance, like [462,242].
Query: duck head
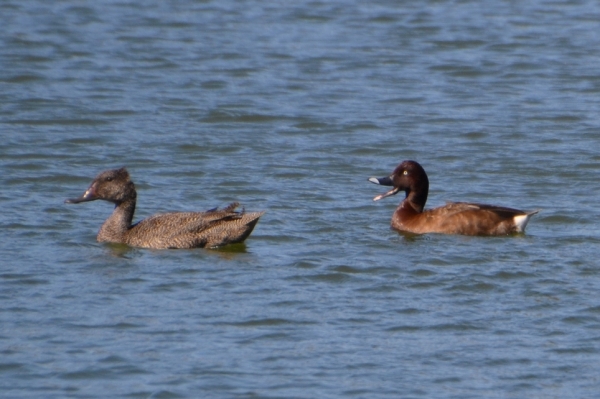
[112,185]
[409,177]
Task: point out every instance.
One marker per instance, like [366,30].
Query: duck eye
[405,173]
[109,179]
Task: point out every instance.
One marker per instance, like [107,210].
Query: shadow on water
[231,248]
[226,252]
[411,237]
[121,250]
[229,251]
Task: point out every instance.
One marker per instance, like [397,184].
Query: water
[289,109]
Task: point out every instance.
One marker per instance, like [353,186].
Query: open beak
[89,195]
[384,181]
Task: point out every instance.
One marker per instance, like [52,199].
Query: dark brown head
[111,185]
[409,177]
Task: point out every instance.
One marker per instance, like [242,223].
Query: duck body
[453,218]
[169,230]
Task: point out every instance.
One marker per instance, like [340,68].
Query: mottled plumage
[169,230]
[453,218]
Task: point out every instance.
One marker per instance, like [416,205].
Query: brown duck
[453,218]
[169,230]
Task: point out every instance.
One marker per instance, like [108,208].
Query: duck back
[192,229]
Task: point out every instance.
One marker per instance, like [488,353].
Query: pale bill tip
[374,180]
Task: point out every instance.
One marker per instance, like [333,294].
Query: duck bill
[384,181]
[89,195]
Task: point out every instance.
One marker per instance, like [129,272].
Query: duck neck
[115,227]
[416,197]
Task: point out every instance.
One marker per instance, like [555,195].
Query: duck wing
[193,229]
[477,219]
[499,210]
[217,228]
[502,211]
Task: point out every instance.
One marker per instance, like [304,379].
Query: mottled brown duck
[453,218]
[212,228]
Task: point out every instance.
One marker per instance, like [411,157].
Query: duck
[213,228]
[464,218]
